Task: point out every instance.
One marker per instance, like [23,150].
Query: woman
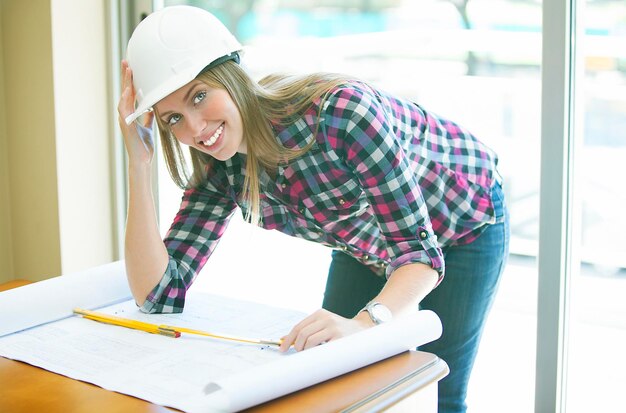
[392,188]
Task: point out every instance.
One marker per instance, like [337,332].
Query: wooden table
[406,382]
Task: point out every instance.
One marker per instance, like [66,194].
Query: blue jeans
[462,300]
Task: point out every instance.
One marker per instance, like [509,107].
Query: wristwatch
[378,312]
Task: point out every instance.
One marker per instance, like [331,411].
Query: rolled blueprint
[53,299]
[297,371]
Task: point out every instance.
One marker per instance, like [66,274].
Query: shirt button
[283,185]
[342,201]
[366,257]
[423,235]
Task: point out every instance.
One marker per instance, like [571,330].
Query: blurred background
[477,62]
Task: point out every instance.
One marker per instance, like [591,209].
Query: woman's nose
[195,126]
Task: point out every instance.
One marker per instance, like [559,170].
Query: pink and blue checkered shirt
[385,181]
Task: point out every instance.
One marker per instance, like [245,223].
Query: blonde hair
[281,99]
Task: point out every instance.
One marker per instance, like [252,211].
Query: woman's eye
[173,120]
[199,97]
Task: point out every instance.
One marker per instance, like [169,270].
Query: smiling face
[205,118]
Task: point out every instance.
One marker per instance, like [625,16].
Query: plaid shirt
[385,182]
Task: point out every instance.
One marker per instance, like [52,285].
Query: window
[470,64]
[598,310]
[478,62]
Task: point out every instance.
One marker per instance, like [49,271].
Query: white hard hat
[170,47]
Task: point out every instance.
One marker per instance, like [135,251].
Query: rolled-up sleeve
[361,131]
[193,236]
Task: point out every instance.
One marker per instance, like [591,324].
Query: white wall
[55,127]
[82,118]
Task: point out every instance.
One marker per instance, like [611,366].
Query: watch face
[380,313]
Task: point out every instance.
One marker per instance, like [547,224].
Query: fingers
[314,335]
[127,75]
[318,328]
[138,136]
[298,338]
[305,336]
[290,338]
[126,105]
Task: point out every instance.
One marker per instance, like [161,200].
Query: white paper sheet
[190,373]
[247,388]
[54,299]
[160,369]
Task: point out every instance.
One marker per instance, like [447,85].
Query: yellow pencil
[222,336]
[166,330]
[124,322]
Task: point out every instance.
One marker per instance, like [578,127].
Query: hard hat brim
[176,83]
[133,117]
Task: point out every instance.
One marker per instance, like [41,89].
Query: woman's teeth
[212,139]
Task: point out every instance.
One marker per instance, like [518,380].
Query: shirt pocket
[334,204]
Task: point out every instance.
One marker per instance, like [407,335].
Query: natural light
[480,66]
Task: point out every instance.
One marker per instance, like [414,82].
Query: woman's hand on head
[138,139]
[320,327]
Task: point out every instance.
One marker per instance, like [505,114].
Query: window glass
[476,62]
[597,339]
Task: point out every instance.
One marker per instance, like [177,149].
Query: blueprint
[195,373]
